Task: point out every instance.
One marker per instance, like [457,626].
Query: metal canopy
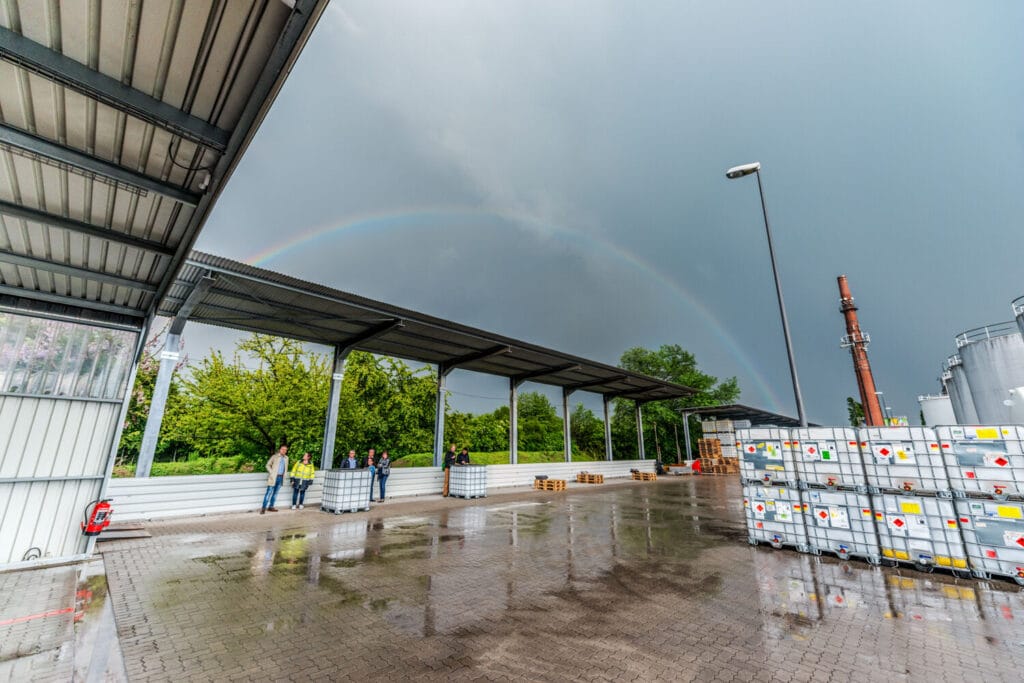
[120,123]
[736,411]
[246,298]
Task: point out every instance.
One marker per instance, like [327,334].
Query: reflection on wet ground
[57,624]
[639,581]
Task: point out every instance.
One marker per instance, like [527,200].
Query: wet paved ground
[638,581]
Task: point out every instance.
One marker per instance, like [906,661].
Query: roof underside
[217,291]
[736,411]
[119,124]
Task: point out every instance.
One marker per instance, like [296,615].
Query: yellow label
[1009,511]
[959,563]
[902,555]
[944,562]
[910,507]
[886,552]
[987,433]
[776,468]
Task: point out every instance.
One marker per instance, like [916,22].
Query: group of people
[450,459]
[303,471]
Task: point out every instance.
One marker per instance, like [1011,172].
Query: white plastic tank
[938,410]
[960,393]
[1018,312]
[992,358]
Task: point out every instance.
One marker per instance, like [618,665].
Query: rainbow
[410,218]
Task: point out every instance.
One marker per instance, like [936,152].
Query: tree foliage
[855,411]
[672,363]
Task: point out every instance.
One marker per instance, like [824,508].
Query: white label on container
[897,524]
[883,452]
[783,512]
[840,520]
[919,527]
[920,545]
[1013,539]
[904,454]
[821,516]
[759,508]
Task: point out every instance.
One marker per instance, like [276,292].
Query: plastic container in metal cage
[828,457]
[468,481]
[841,522]
[346,491]
[775,515]
[984,462]
[906,459]
[923,531]
[993,532]
[763,458]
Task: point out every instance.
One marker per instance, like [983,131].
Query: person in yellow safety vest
[302,478]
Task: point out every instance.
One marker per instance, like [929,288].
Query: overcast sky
[555,172]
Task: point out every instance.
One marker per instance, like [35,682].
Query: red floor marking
[51,613]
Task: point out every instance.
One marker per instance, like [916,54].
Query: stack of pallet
[713,460]
[645,476]
[588,478]
[549,484]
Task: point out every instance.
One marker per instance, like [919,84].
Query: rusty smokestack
[857,342]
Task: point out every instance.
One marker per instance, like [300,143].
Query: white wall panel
[165,497]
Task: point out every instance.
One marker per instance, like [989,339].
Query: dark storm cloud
[558,174]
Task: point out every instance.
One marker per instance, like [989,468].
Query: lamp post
[739,172]
[885,406]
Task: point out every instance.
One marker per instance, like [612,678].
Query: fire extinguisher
[98,519]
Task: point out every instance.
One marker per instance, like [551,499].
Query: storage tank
[960,393]
[1018,312]
[938,410]
[992,358]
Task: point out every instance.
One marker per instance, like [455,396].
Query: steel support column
[607,400]
[640,430]
[513,421]
[154,420]
[686,435]
[567,424]
[333,401]
[442,373]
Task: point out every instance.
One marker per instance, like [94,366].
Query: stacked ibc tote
[949,497]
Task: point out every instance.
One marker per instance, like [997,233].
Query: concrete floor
[630,581]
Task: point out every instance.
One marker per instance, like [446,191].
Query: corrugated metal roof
[119,124]
[243,297]
[737,411]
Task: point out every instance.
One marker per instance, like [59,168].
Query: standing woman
[302,478]
[370,457]
[383,471]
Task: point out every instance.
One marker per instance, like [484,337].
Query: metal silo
[937,410]
[960,393]
[992,359]
[1018,311]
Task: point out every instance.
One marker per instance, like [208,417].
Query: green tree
[671,363]
[855,411]
[540,428]
[587,432]
[231,408]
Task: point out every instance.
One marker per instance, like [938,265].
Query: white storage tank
[992,358]
[1018,312]
[960,393]
[938,410]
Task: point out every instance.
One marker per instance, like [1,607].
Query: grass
[497,458]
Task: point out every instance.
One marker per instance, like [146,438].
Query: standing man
[350,463]
[383,472]
[463,457]
[276,467]
[449,460]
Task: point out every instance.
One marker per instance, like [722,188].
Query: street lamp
[739,172]
[885,406]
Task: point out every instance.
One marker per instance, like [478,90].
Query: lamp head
[745,169]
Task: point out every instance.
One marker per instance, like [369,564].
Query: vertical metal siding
[50,438]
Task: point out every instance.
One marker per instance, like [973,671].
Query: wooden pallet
[645,476]
[709,448]
[587,478]
[549,484]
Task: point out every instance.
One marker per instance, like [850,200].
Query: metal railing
[953,361]
[987,332]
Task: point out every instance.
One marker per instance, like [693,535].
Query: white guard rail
[165,497]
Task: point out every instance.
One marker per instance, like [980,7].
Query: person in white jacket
[276,468]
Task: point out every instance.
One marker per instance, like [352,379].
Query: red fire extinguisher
[98,519]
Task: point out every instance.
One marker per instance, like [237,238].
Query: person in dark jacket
[449,460]
[350,463]
[383,471]
[463,457]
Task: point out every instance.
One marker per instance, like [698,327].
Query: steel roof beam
[452,363]
[63,300]
[73,271]
[371,333]
[544,372]
[65,155]
[598,382]
[193,299]
[82,228]
[52,65]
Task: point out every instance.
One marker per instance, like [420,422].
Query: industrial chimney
[857,342]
